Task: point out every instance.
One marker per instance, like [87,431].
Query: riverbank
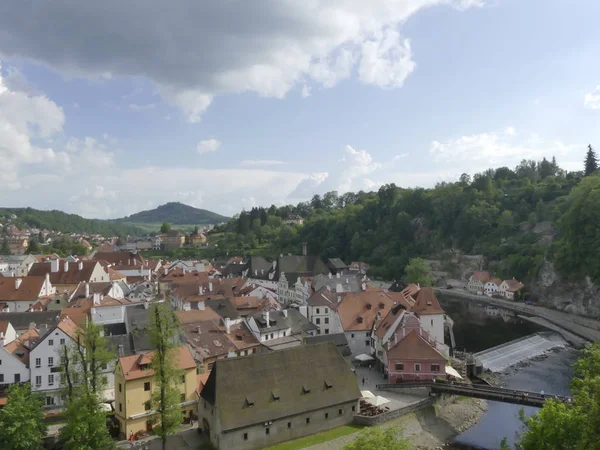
[430,428]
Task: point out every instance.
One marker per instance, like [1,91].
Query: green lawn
[317,438]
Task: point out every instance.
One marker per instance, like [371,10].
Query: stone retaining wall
[370,421]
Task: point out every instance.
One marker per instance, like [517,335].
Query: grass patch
[318,438]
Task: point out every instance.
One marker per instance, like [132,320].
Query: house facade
[21,293]
[173,239]
[477,282]
[134,384]
[13,366]
[492,287]
[508,288]
[322,311]
[277,396]
[413,358]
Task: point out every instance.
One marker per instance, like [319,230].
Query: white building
[492,286]
[477,282]
[292,294]
[322,311]
[13,365]
[7,333]
[21,293]
[45,361]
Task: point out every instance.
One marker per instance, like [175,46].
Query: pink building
[413,358]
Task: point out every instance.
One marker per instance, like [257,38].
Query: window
[289,425]
[325,310]
[272,335]
[49,401]
[431,322]
[147,405]
[417,367]
[340,412]
[38,380]
[121,407]
[327,415]
[399,366]
[318,321]
[1,378]
[369,334]
[50,361]
[326,320]
[182,379]
[50,342]
[182,398]
[267,430]
[307,420]
[318,331]
[0,362]
[353,408]
[318,311]
[120,387]
[62,342]
[326,330]
[38,362]
[352,335]
[435,367]
[104,367]
[17,377]
[367,342]
[147,386]
[58,301]
[51,379]
[245,436]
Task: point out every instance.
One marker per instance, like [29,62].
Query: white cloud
[146,107]
[359,163]
[208,146]
[592,99]
[261,162]
[217,48]
[309,186]
[306,91]
[509,131]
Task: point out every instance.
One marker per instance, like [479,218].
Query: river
[477,328]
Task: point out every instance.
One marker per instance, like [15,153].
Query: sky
[108,108]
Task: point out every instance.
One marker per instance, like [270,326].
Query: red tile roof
[481,276]
[414,348]
[130,365]
[28,290]
[427,303]
[359,310]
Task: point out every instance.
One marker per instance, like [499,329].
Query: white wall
[11,365]
[322,313]
[99,275]
[9,336]
[434,325]
[359,342]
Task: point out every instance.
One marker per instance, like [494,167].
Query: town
[298,323]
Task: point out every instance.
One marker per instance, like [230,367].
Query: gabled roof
[336,263]
[514,285]
[21,320]
[131,365]
[496,281]
[358,311]
[299,377]
[427,303]
[414,348]
[389,320]
[72,276]
[323,297]
[481,276]
[28,290]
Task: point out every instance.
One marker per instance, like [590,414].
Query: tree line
[495,213]
[88,427]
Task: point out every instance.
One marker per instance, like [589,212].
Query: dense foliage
[22,420]
[576,425]
[508,215]
[67,223]
[176,213]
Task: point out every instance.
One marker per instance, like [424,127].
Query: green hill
[176,214]
[67,223]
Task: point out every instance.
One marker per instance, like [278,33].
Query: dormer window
[328,384]
[275,394]
[359,319]
[249,401]
[381,305]
[305,389]
[368,306]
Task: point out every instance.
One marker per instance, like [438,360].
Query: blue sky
[114,109]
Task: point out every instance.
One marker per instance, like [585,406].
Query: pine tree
[591,161]
[82,363]
[22,420]
[165,400]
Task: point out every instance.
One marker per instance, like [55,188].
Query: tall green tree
[163,332]
[376,438]
[83,376]
[576,425]
[165,227]
[5,249]
[591,161]
[418,271]
[33,246]
[22,420]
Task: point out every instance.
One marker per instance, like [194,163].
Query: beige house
[257,401]
[173,239]
[18,245]
[508,288]
[477,282]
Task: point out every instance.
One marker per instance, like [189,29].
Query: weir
[501,357]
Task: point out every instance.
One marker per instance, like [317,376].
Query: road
[584,327]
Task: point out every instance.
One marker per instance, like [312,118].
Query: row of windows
[147,386]
[148,403]
[434,367]
[325,311]
[307,421]
[326,331]
[51,342]
[17,378]
[318,320]
[51,379]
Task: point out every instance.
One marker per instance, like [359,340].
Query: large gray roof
[304,378]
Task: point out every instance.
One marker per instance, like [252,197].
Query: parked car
[529,302]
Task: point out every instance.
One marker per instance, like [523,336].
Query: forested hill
[498,213]
[67,223]
[175,213]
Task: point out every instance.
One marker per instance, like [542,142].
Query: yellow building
[134,383]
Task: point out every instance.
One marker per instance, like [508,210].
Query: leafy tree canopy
[22,420]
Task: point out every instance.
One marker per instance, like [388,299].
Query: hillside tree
[163,332]
[591,161]
[5,249]
[84,383]
[165,227]
[22,420]
[418,271]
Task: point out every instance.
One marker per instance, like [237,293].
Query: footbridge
[497,394]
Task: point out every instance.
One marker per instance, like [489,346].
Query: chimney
[66,266]
[200,290]
[364,286]
[329,288]
[86,286]
[339,298]
[31,326]
[210,286]
[285,313]
[54,264]
[96,298]
[165,271]
[304,248]
[227,325]
[18,282]
[337,275]
[201,306]
[47,278]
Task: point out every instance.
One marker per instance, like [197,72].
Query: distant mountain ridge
[175,213]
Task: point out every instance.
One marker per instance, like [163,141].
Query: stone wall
[389,415]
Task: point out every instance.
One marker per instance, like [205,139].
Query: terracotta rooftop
[29,289]
[358,311]
[72,276]
[481,276]
[414,348]
[130,365]
[514,285]
[119,257]
[427,303]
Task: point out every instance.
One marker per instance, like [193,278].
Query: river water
[477,328]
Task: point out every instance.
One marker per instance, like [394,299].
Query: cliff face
[555,291]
